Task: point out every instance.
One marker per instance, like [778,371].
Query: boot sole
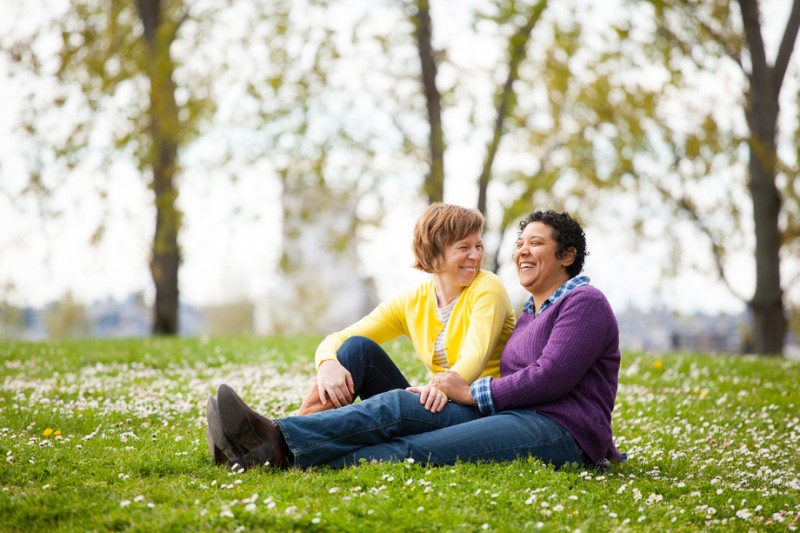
[220,446]
[234,419]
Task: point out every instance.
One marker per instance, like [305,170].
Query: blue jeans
[394,426]
[372,369]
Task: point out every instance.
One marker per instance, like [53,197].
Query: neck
[445,292]
[540,296]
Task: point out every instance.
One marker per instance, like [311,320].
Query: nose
[476,254]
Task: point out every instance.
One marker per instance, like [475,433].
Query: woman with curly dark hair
[553,399]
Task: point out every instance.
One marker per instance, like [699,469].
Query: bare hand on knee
[334,382]
[432,398]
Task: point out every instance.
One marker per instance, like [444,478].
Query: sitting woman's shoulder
[587,294]
[488,277]
[487,281]
[589,291]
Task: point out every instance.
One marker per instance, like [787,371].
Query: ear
[568,257]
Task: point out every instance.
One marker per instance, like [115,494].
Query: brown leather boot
[219,445]
[256,439]
[312,403]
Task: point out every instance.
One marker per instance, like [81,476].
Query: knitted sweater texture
[564,363]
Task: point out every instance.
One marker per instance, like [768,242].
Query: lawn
[109,436]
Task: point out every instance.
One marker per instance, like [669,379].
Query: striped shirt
[439,356]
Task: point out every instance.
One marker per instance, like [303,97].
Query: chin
[467,280]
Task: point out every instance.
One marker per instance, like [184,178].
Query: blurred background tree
[721,171]
[607,116]
[113,87]
[232,319]
[645,116]
[66,319]
[12,317]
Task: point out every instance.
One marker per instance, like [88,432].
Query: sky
[231,236]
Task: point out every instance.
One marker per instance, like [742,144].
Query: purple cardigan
[564,364]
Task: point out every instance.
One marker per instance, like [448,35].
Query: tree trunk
[506,100]
[164,130]
[769,319]
[434,182]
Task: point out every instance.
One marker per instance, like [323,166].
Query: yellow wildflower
[47,432]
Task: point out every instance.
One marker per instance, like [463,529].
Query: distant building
[656,331]
[661,330]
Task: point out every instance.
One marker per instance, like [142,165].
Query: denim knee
[400,401]
[356,347]
[397,396]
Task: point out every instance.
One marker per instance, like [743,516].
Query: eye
[518,244]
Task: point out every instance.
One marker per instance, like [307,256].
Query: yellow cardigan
[479,326]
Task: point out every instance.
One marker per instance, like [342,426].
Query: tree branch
[149,13]
[791,283]
[434,184]
[182,17]
[786,47]
[505,104]
[515,210]
[751,20]
[719,39]
[683,204]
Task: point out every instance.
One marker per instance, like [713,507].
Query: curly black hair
[567,233]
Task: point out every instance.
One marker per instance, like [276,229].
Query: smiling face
[461,261]
[540,271]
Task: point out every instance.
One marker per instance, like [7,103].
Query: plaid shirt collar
[567,286]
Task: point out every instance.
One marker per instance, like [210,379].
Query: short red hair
[439,226]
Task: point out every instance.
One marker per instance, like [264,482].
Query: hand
[334,382]
[455,387]
[432,398]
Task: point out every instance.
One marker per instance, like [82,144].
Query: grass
[109,436]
